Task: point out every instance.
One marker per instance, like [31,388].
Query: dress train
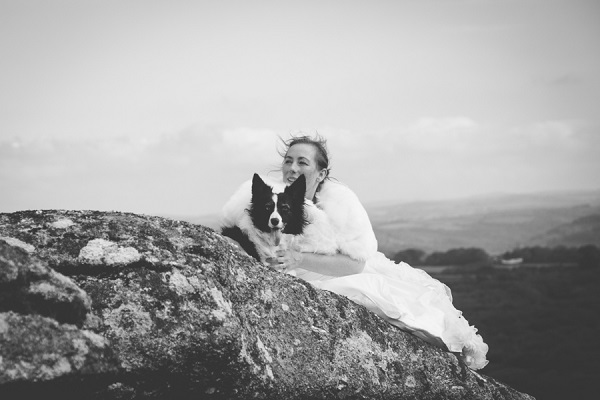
[410,299]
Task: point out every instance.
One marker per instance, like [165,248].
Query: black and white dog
[264,218]
[270,216]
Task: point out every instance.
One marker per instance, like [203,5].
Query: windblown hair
[318,141]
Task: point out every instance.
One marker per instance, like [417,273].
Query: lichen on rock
[101,251]
[63,223]
[28,286]
[18,243]
[187,315]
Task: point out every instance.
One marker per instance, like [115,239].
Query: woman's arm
[333,265]
[349,227]
[326,264]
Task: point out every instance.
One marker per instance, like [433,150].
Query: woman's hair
[319,143]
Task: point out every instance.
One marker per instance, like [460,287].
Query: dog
[264,218]
[270,217]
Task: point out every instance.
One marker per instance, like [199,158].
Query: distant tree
[558,254]
[410,256]
[563,254]
[589,256]
[460,256]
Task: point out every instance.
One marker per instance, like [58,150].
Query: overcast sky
[165,107]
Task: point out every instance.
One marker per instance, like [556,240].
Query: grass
[542,326]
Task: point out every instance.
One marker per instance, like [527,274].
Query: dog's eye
[285,208]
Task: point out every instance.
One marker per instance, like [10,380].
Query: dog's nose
[274,221]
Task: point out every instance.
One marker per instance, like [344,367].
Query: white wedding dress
[406,297]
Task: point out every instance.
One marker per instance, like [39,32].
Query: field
[495,223]
[542,326]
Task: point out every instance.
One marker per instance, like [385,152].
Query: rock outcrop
[108,305]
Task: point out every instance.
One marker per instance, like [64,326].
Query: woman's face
[301,159]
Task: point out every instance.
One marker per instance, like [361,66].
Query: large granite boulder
[109,305]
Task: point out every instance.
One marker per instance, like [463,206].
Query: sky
[166,107]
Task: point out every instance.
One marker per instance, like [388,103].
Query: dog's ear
[296,192]
[256,180]
[259,187]
[298,188]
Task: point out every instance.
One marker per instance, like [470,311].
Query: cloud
[559,135]
[191,146]
[195,170]
[459,156]
[559,80]
[189,169]
[567,79]
[445,134]
[465,137]
[246,145]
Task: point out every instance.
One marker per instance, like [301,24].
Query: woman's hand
[325,264]
[285,260]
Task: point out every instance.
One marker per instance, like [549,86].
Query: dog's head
[273,212]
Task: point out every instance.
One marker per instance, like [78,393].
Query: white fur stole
[348,219]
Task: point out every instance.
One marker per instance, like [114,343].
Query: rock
[28,286]
[108,305]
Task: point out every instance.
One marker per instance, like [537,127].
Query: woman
[405,297]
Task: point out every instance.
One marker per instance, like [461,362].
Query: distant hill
[495,223]
[584,230]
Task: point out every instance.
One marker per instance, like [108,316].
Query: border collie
[270,218]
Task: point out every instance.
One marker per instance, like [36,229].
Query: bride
[403,296]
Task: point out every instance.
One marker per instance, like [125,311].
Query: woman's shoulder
[337,198]
[348,218]
[335,191]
